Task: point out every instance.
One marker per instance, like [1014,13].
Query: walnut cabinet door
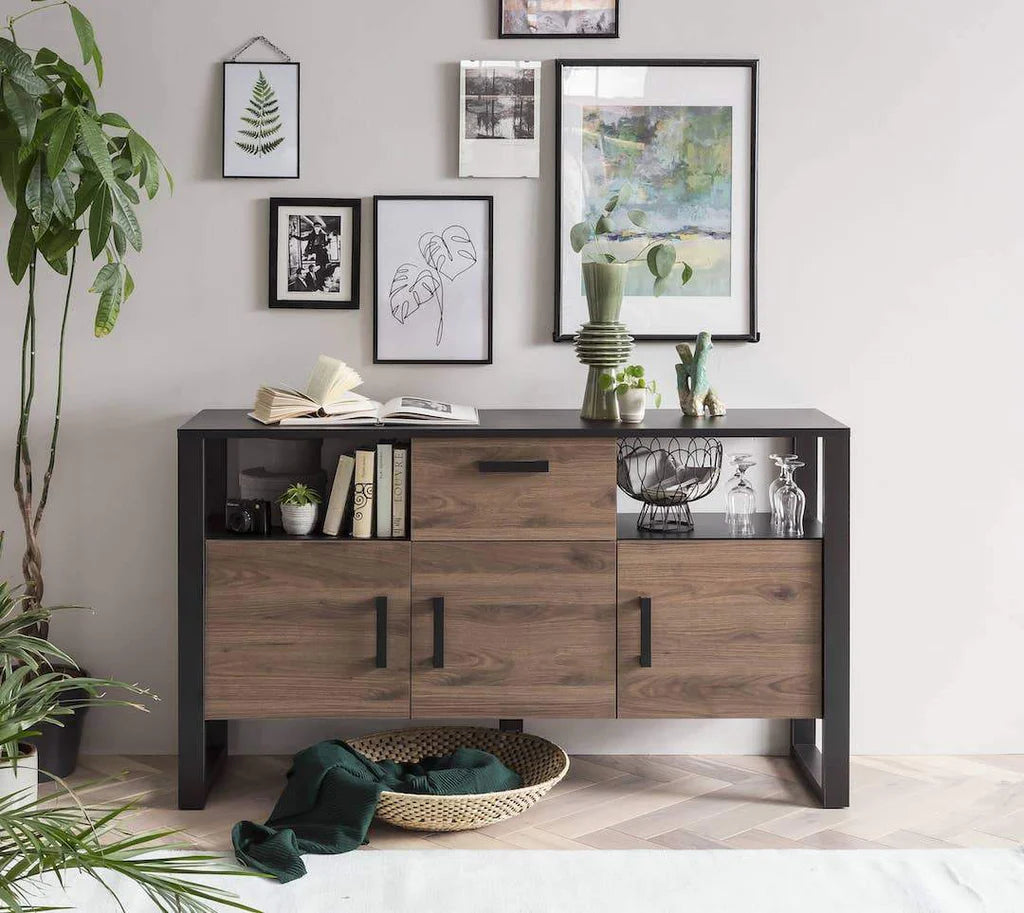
[307,629]
[720,629]
[513,629]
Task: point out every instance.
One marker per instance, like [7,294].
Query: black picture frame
[349,304]
[544,35]
[224,118]
[752,335]
[384,198]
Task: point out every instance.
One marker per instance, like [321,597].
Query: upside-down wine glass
[782,461]
[792,502]
[735,458]
[741,501]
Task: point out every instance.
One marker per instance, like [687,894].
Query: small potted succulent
[298,509]
[631,389]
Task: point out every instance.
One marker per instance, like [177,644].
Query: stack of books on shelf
[369,495]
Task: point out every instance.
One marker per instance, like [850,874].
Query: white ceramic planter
[632,405]
[24,781]
[298,520]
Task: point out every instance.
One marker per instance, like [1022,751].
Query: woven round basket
[540,763]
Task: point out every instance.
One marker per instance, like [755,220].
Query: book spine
[398,497]
[339,495]
[362,498]
[382,492]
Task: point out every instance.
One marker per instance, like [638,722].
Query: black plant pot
[58,745]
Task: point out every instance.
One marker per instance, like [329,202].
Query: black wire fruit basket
[667,475]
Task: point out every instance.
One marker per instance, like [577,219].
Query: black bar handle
[439,632]
[645,632]
[382,632]
[514,466]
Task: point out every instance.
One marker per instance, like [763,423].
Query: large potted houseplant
[68,170]
[40,837]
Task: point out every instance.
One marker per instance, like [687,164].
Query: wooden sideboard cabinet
[519,593]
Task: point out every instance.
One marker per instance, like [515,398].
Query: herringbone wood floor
[641,802]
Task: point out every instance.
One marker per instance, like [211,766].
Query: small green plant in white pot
[631,390]
[298,509]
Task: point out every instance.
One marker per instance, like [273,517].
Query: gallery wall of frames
[647,151]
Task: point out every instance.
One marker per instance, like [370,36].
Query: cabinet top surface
[538,422]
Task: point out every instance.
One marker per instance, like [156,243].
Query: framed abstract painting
[432,279]
[655,151]
[558,18]
[261,119]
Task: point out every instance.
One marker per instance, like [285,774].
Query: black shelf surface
[710,526]
[536,423]
[215,529]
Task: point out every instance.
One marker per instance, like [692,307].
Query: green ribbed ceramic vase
[603,344]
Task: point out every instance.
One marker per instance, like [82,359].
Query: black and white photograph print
[432,279]
[261,120]
[499,119]
[558,18]
[314,253]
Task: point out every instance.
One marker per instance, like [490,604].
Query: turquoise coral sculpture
[695,391]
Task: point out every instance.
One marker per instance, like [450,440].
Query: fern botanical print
[261,131]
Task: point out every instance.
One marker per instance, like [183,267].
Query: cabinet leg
[510,725]
[200,762]
[828,770]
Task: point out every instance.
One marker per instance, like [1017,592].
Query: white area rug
[624,881]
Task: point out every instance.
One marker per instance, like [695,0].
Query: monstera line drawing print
[260,132]
[448,255]
[433,282]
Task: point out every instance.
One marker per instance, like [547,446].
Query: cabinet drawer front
[734,629]
[512,488]
[527,629]
[292,629]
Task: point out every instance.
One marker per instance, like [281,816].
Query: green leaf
[660,260]
[603,226]
[23,109]
[86,193]
[145,159]
[87,39]
[58,241]
[63,134]
[579,234]
[638,217]
[613,201]
[125,219]
[9,145]
[120,244]
[19,68]
[129,284]
[21,246]
[64,196]
[111,291]
[128,191]
[660,286]
[609,258]
[687,274]
[111,119]
[58,263]
[39,194]
[100,217]
[95,145]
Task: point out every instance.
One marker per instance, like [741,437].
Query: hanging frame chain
[255,40]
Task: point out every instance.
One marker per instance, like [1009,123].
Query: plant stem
[44,494]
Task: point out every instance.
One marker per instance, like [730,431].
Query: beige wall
[890,255]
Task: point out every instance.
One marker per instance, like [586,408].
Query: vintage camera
[247,516]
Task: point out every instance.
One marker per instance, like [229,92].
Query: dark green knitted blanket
[331,796]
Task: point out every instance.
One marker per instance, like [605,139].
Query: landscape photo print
[499,119]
